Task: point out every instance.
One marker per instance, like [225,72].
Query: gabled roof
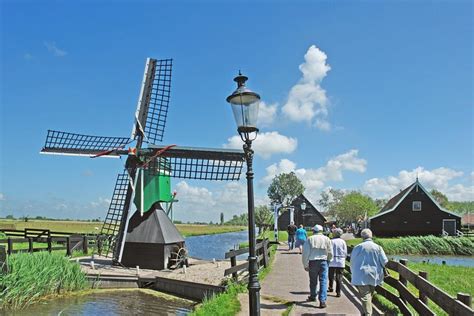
[393,203]
[297,204]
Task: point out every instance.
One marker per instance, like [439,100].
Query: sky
[356,95]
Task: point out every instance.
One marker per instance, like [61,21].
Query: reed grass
[33,276]
[428,245]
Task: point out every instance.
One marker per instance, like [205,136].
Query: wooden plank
[234,253]
[392,265]
[394,299]
[237,268]
[405,294]
[441,298]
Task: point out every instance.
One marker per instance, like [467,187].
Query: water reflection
[464,261]
[109,303]
[215,246]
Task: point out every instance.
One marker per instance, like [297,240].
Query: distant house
[467,220]
[414,212]
[308,217]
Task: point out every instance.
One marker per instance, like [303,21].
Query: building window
[416,206]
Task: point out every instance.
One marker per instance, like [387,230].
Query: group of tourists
[325,259]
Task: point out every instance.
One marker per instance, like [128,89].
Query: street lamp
[244,103]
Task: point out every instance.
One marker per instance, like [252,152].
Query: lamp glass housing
[245,104]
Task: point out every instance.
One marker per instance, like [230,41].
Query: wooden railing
[51,241]
[460,305]
[263,258]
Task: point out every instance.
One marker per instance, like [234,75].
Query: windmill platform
[201,279]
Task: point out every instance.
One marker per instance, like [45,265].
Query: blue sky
[358,95]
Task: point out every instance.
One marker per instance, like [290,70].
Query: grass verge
[33,276]
[223,304]
[424,245]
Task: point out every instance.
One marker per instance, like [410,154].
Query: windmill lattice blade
[199,163]
[154,99]
[63,143]
[113,218]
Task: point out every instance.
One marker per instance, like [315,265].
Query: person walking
[338,262]
[300,238]
[291,235]
[317,252]
[367,263]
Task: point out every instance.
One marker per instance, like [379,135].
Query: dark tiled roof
[393,201]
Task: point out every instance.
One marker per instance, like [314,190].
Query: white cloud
[266,144]
[266,114]
[52,48]
[307,99]
[101,203]
[431,179]
[315,179]
[2,197]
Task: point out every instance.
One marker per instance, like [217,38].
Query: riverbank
[31,277]
[85,227]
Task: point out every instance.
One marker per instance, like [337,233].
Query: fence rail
[460,305]
[263,258]
[53,241]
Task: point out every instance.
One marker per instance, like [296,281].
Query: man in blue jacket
[367,263]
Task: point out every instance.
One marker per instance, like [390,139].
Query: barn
[309,217]
[414,212]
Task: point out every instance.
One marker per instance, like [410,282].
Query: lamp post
[244,103]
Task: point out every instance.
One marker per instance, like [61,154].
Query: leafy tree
[380,203]
[239,220]
[222,218]
[330,199]
[461,207]
[354,205]
[263,217]
[285,188]
[440,198]
[10,217]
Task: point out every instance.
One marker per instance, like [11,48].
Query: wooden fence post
[99,245]
[421,295]
[466,299]
[50,246]
[85,248]
[233,263]
[265,252]
[9,246]
[402,279]
[30,245]
[68,246]
[3,259]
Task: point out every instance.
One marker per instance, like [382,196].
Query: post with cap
[244,103]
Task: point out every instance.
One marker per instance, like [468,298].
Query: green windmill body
[156,188]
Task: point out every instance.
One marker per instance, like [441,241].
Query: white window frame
[416,209]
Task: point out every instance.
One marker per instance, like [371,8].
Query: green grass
[33,276]
[84,227]
[223,304]
[424,245]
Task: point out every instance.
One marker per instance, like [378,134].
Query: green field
[84,227]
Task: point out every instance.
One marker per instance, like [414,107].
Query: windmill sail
[63,143]
[152,108]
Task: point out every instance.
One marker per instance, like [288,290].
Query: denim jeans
[291,242]
[318,270]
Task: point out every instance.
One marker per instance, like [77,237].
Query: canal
[210,247]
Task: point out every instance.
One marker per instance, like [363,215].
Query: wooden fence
[263,258]
[52,241]
[460,305]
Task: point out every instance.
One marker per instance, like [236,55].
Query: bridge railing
[263,258]
[460,305]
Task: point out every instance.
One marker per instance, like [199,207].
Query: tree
[263,217]
[330,199]
[285,188]
[222,218]
[440,198]
[355,205]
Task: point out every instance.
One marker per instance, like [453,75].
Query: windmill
[148,238]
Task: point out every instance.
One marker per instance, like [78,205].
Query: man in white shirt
[317,252]
[338,262]
[367,262]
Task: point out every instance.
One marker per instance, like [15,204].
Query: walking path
[289,282]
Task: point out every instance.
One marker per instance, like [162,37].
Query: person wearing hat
[317,252]
[367,263]
[336,266]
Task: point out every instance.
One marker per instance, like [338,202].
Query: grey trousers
[366,293]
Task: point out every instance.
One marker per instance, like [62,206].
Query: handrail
[263,255]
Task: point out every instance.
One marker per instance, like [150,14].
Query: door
[449,226]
